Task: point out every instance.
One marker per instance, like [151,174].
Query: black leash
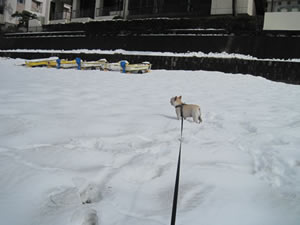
[175,197]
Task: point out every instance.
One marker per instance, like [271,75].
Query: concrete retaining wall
[288,72]
[259,46]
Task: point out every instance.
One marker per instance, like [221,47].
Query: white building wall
[28,7]
[11,8]
[47,11]
[76,5]
[223,7]
[282,21]
[251,8]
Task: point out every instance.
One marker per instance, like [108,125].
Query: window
[36,6]
[283,10]
[2,3]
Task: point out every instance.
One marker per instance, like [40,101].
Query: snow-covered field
[92,147]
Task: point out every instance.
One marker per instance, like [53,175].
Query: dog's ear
[175,98]
[180,97]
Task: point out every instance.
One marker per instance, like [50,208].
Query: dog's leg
[199,116]
[178,116]
[200,120]
[195,118]
[178,113]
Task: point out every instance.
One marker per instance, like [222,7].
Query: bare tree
[24,18]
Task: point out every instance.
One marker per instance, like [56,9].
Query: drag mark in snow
[272,169]
[19,159]
[67,199]
[275,170]
[192,197]
[85,216]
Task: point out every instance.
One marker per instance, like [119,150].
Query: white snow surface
[94,147]
[152,53]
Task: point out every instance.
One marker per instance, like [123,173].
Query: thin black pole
[234,7]
[175,197]
[272,5]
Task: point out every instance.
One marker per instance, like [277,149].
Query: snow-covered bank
[150,53]
[110,141]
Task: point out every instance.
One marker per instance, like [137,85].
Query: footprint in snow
[249,127]
[64,197]
[85,216]
[90,194]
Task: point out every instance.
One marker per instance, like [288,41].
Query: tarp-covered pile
[102,64]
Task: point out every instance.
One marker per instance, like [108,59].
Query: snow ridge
[150,53]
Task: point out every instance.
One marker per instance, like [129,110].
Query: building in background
[60,11]
[282,15]
[9,7]
[283,5]
[223,7]
[2,12]
[86,10]
[66,11]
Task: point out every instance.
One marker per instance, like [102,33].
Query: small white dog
[188,110]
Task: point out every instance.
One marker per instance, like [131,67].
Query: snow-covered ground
[92,147]
[151,53]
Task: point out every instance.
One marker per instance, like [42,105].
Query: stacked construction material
[102,64]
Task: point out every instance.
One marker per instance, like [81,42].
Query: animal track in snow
[90,194]
[84,144]
[193,197]
[63,197]
[68,198]
[248,127]
[85,216]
